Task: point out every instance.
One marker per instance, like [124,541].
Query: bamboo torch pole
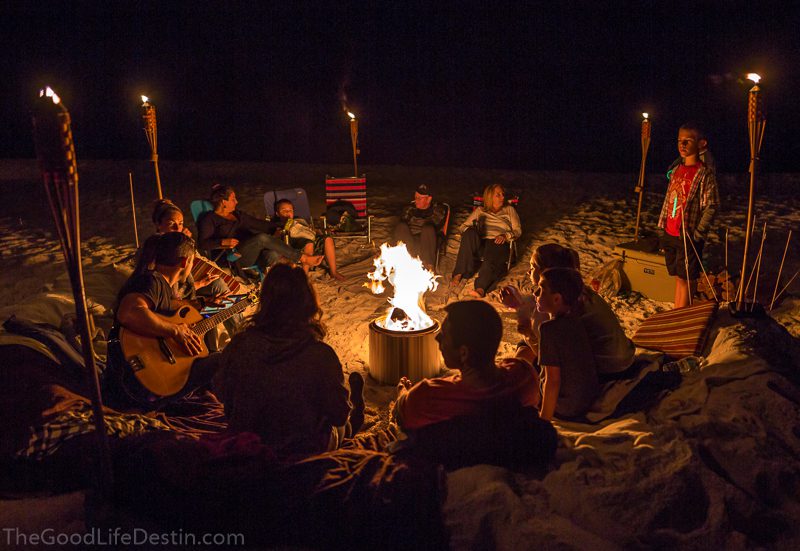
[780,270]
[640,184]
[133,211]
[56,153]
[354,140]
[151,131]
[755,127]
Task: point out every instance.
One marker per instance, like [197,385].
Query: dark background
[524,85]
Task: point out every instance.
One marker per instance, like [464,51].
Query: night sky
[523,85]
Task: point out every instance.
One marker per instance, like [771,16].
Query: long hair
[488,194]
[219,192]
[288,304]
[146,259]
[163,207]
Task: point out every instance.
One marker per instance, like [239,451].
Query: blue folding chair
[296,195]
[200,207]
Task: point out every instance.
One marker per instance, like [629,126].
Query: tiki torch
[354,139]
[640,184]
[755,126]
[55,150]
[151,131]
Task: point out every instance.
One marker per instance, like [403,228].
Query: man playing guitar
[144,300]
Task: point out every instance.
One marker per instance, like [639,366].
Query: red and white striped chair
[349,195]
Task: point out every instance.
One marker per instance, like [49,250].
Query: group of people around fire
[279,379]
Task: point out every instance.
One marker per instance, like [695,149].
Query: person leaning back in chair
[486,233]
[226,227]
[689,207]
[151,294]
[421,226]
[304,238]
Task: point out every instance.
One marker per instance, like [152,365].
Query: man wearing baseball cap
[421,225]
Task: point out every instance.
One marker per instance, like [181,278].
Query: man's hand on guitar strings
[189,339]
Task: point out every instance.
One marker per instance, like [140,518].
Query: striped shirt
[503,222]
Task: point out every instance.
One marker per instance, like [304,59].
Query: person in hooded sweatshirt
[278,379]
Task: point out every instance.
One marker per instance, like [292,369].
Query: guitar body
[153,371]
[161,366]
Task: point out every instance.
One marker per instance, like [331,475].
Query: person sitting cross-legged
[278,379]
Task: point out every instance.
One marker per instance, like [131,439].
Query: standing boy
[689,207]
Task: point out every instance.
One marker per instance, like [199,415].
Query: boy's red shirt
[679,187]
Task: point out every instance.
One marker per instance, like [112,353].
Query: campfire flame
[410,280]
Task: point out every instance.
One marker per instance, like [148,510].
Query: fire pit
[395,354]
[403,342]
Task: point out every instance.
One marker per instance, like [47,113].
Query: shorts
[300,242]
[676,259]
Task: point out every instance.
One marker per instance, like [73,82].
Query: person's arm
[516,226]
[256,225]
[135,313]
[470,219]
[550,390]
[709,210]
[406,216]
[335,406]
[439,215]
[207,238]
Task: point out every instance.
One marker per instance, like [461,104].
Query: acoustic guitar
[161,366]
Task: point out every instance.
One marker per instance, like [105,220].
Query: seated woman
[226,227]
[486,234]
[304,238]
[168,217]
[279,380]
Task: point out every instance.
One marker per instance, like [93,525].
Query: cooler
[644,270]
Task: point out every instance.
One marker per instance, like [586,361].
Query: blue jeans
[263,249]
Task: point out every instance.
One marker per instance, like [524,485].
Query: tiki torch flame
[50,94]
[755,77]
[351,115]
[645,116]
[145,99]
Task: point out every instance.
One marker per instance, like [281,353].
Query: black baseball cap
[424,189]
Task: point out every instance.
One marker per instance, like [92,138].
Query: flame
[755,77]
[351,115]
[50,94]
[645,115]
[410,280]
[145,99]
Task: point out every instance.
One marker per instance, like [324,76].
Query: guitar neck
[203,327]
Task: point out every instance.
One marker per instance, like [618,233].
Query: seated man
[147,296]
[421,225]
[468,340]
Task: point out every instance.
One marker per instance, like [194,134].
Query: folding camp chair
[348,195]
[513,200]
[442,248]
[200,207]
[296,195]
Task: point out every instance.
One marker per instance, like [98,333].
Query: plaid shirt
[47,438]
[701,204]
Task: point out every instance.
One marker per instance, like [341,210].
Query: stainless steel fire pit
[395,354]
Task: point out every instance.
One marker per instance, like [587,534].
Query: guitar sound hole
[183,312]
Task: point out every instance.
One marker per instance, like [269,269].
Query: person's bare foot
[455,280]
[477,293]
[308,260]
[337,276]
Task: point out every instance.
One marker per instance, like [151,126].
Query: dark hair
[476,325]
[219,192]
[171,247]
[553,255]
[280,202]
[163,207]
[288,304]
[566,282]
[694,127]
